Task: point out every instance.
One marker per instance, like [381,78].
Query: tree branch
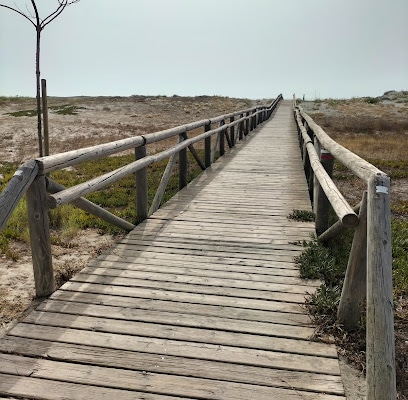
[53,15]
[18,12]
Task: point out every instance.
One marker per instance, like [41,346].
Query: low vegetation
[302,215]
[66,109]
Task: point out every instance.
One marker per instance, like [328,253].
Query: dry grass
[389,146]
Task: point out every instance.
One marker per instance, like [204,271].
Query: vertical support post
[182,165]
[310,172]
[232,132]
[247,123]
[241,127]
[141,186]
[45,117]
[321,204]
[354,289]
[39,226]
[222,140]
[207,146]
[380,351]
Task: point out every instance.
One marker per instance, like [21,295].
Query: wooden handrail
[360,167]
[74,157]
[109,178]
[370,254]
[343,210]
[16,189]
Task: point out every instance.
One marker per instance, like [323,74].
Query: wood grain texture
[202,300]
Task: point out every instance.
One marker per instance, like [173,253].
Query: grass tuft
[302,215]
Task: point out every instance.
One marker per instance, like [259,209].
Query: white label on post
[381,189]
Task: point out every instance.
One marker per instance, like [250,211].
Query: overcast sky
[236,48]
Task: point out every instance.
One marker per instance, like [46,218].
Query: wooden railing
[42,193]
[369,271]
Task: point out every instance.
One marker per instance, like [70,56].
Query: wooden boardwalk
[201,301]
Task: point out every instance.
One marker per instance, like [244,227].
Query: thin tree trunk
[38,82]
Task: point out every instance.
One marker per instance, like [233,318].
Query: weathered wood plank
[48,389]
[127,269]
[178,265]
[165,346]
[173,365]
[136,380]
[29,388]
[203,288]
[166,293]
[175,306]
[278,329]
[283,287]
[275,264]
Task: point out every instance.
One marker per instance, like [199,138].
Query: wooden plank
[203,288]
[126,269]
[183,307]
[216,236]
[283,287]
[47,389]
[195,248]
[171,317]
[29,388]
[173,365]
[165,293]
[164,346]
[174,263]
[193,242]
[132,250]
[274,264]
[138,381]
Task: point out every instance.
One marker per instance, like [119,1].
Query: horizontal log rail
[16,189]
[368,277]
[109,178]
[43,193]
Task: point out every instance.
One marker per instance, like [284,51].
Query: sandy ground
[98,120]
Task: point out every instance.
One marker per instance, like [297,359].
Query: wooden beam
[39,227]
[92,208]
[16,189]
[381,380]
[141,186]
[354,290]
[163,184]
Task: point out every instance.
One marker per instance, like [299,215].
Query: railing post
[381,380]
[241,128]
[207,146]
[354,289]
[182,165]
[141,186]
[232,132]
[39,227]
[222,139]
[247,122]
[321,204]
